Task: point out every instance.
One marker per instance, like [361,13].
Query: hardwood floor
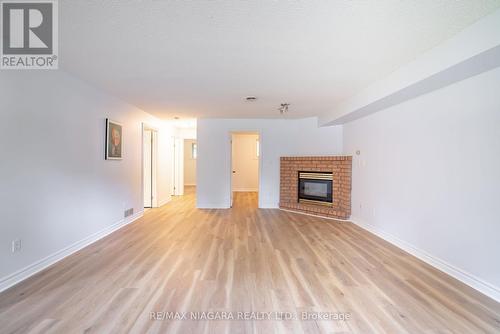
[178,258]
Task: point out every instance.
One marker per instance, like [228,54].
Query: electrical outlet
[16,245]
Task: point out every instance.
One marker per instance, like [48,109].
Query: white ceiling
[201,58]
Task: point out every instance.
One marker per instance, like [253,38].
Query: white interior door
[233,171]
[147,168]
[178,180]
[154,169]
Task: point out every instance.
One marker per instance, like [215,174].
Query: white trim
[30,270]
[246,190]
[165,201]
[208,205]
[474,282]
[178,166]
[268,205]
[154,165]
[245,131]
[313,215]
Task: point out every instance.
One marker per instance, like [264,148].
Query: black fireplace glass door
[316,190]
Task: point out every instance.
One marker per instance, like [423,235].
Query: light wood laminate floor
[178,258]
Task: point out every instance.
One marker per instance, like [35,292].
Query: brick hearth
[340,166]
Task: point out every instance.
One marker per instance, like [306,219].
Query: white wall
[428,177]
[245,162]
[56,189]
[189,163]
[186,133]
[165,166]
[278,138]
[178,167]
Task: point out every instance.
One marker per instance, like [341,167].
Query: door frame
[154,163]
[178,165]
[230,145]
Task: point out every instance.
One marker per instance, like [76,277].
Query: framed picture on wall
[114,140]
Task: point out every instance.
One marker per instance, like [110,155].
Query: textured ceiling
[201,58]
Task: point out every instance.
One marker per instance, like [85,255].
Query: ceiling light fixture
[284,108]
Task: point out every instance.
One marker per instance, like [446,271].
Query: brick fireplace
[340,168]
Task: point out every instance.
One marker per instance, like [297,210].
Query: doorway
[150,160]
[190,156]
[178,167]
[245,161]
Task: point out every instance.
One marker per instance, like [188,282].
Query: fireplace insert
[315,188]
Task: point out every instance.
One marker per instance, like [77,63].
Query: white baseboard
[268,205]
[226,206]
[246,190]
[313,215]
[165,201]
[30,270]
[212,206]
[474,282]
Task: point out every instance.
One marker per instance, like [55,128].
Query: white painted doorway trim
[178,167]
[154,164]
[230,144]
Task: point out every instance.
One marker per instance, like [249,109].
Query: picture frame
[114,140]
